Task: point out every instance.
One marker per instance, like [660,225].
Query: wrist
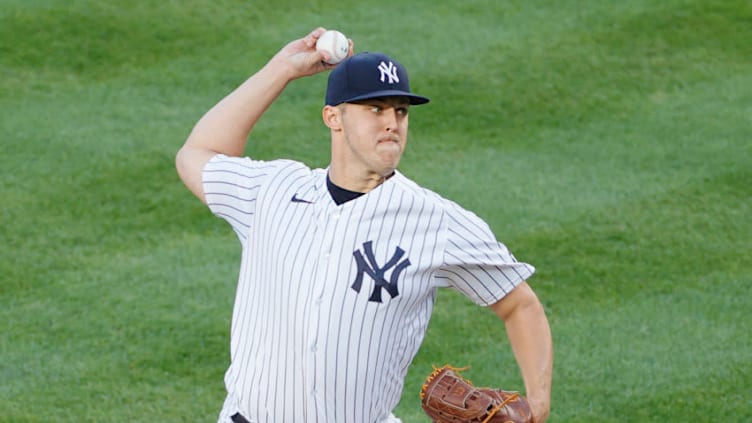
[280,71]
[540,408]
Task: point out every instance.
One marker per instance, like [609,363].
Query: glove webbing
[436,371]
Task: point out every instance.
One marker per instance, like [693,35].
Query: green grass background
[606,142]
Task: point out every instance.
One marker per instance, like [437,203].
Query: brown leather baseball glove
[449,398]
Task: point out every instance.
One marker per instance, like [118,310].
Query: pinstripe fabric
[305,345]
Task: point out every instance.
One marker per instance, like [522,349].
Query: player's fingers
[310,39]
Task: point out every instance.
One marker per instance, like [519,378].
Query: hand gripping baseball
[302,58]
[449,398]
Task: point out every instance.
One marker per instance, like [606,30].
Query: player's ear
[332,117]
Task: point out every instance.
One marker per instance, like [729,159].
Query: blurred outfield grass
[608,143]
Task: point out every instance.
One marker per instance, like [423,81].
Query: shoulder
[409,186]
[222,167]
[247,177]
[457,218]
[223,163]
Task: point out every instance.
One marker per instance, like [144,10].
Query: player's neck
[339,194]
[356,182]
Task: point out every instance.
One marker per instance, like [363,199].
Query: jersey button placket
[325,236]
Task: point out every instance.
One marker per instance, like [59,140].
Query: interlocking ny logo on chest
[367,265]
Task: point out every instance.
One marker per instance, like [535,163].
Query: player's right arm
[224,129]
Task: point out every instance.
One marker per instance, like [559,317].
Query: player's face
[375,133]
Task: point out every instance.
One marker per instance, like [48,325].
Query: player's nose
[391,116]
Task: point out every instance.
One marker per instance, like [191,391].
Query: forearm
[530,337]
[225,127]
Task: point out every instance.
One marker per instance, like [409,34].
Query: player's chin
[389,161]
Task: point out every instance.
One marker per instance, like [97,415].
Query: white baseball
[335,44]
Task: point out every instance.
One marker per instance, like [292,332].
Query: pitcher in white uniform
[340,266]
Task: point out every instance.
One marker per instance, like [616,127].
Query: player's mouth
[393,139]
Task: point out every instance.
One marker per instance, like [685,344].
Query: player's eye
[376,109]
[402,111]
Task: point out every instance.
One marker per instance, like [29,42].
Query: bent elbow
[189,163]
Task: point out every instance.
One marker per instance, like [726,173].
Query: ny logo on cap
[389,71]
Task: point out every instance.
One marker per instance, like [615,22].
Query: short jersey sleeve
[475,263]
[231,187]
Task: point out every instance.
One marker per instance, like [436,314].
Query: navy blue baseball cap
[369,75]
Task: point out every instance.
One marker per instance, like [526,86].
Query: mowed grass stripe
[563,173]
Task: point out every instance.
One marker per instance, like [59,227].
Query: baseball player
[340,266]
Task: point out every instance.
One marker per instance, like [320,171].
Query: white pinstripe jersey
[333,301]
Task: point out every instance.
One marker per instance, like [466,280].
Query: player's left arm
[530,337]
